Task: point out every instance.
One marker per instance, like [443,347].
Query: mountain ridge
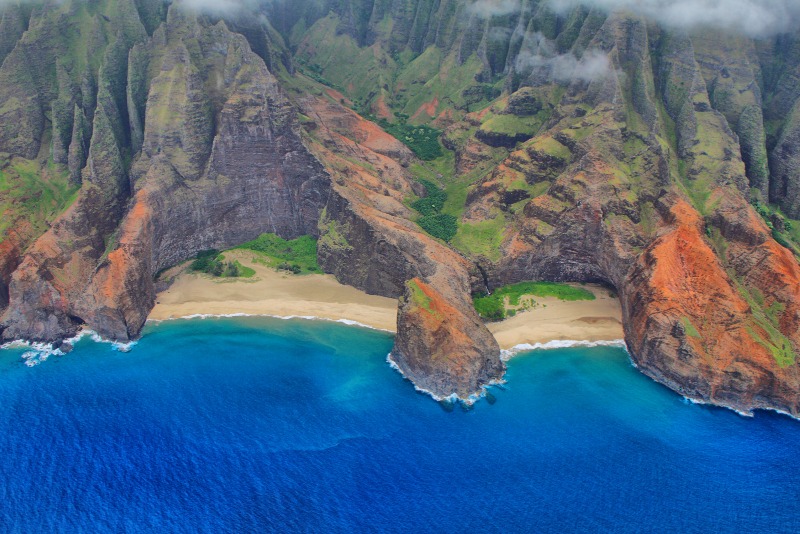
[576,146]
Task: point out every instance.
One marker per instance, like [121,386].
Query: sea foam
[348,322]
[469,401]
[507,354]
[39,352]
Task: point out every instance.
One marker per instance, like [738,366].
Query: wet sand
[554,320]
[276,293]
[272,292]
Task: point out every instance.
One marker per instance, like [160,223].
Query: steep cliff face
[578,145]
[221,161]
[646,190]
[367,240]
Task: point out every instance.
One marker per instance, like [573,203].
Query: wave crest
[39,352]
[507,354]
[348,322]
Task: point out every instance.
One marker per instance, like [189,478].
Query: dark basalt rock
[182,139]
[498,139]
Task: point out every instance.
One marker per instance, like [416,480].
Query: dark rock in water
[65,347]
[447,405]
[491,399]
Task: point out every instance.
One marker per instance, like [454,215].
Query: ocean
[262,425]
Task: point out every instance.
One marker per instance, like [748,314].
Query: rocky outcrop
[786,165]
[216,169]
[692,327]
[367,240]
[442,346]
[186,132]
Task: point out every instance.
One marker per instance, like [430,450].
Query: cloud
[499,34]
[493,8]
[565,68]
[217,7]
[756,18]
[539,57]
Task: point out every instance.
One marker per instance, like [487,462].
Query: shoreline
[551,323]
[272,293]
[348,322]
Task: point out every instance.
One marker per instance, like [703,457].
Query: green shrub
[492,307]
[422,140]
[296,255]
[433,220]
[433,201]
[206,261]
[777,236]
[442,225]
[213,263]
[231,270]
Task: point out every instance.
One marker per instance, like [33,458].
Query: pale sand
[275,293]
[553,319]
[272,292]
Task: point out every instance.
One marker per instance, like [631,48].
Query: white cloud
[593,65]
[756,18]
[493,8]
[217,7]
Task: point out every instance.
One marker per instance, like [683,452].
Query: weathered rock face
[692,328]
[216,169]
[709,302]
[441,348]
[185,132]
[367,240]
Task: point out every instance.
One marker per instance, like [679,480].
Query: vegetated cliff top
[437,148]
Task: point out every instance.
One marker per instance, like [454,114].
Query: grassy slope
[280,253]
[418,88]
[496,306]
[37,195]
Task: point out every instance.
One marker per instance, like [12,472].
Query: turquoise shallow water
[256,424]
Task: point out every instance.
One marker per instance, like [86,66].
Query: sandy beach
[553,320]
[272,292]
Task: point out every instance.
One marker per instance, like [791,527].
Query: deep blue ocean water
[257,424]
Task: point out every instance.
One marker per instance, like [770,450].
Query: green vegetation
[768,319]
[422,140]
[441,225]
[213,263]
[298,256]
[332,233]
[418,296]
[784,231]
[489,308]
[482,238]
[314,72]
[494,307]
[421,300]
[689,328]
[438,224]
[434,78]
[512,125]
[37,195]
[432,203]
